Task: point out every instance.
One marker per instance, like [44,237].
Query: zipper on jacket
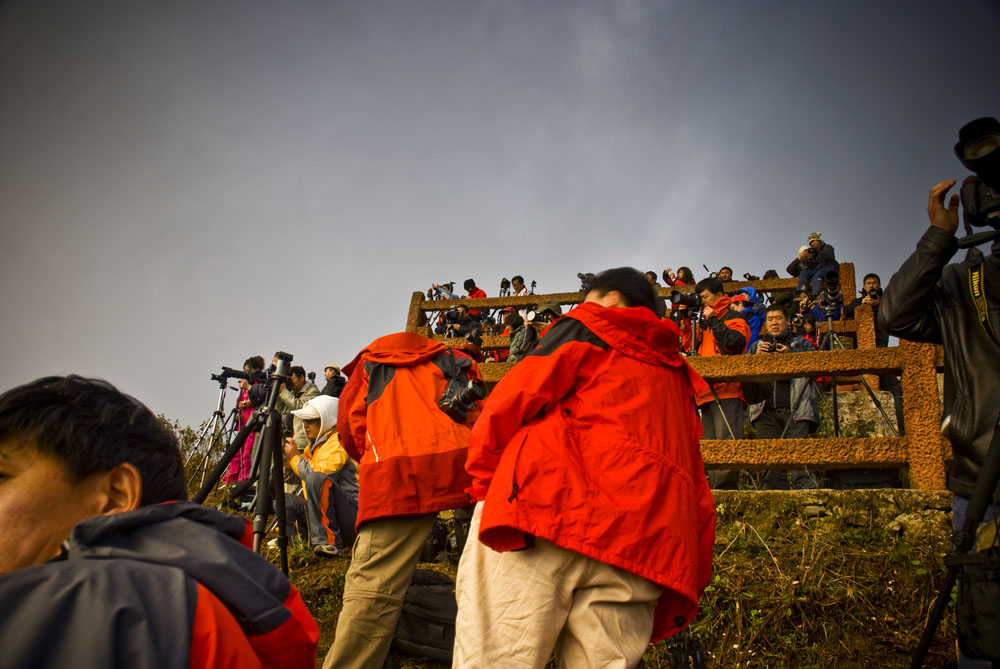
[513,477]
[372,444]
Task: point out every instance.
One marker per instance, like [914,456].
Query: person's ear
[123,489]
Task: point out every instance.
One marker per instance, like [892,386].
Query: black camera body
[690,300]
[875,293]
[751,277]
[978,148]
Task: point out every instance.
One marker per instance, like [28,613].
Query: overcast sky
[186,184]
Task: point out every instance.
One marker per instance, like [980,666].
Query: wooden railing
[922,448]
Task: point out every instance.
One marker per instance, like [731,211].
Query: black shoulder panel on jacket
[379,376]
[564,331]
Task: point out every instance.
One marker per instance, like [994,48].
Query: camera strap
[978,290]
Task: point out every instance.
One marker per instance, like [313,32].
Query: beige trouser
[384,558]
[515,607]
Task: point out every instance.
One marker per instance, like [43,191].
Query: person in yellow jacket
[329,478]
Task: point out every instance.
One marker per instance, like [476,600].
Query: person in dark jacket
[929,300]
[104,565]
[335,381]
[814,262]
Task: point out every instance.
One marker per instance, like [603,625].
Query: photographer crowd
[592,518]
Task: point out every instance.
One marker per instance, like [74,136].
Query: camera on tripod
[585,280]
[690,300]
[751,277]
[831,297]
[504,287]
[434,292]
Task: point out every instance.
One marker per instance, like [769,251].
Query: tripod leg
[279,510]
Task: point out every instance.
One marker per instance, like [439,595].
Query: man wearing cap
[334,381]
[329,478]
[814,262]
[743,304]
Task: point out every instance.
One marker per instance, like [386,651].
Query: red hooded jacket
[591,442]
[411,454]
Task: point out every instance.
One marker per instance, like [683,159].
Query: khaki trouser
[384,558]
[515,607]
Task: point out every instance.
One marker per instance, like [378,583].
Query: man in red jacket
[723,332]
[104,565]
[594,519]
[411,456]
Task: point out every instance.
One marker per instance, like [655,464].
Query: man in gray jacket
[790,409]
[294,396]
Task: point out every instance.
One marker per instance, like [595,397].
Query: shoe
[328,551]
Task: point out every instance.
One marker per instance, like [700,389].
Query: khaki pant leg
[511,606]
[384,558]
[610,621]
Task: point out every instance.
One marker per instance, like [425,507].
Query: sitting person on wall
[814,262]
[329,478]
[104,565]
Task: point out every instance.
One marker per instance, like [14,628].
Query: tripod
[871,393]
[214,431]
[267,466]
[963,539]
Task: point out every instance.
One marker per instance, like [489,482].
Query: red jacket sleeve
[534,386]
[216,637]
[353,413]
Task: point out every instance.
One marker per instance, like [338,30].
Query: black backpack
[426,624]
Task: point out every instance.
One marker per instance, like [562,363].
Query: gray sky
[186,184]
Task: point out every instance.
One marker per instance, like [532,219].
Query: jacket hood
[204,543]
[750,291]
[633,331]
[326,406]
[404,349]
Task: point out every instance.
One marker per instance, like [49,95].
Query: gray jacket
[804,394]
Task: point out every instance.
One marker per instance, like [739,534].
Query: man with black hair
[723,332]
[517,283]
[594,525]
[294,395]
[790,409]
[725,274]
[473,292]
[103,564]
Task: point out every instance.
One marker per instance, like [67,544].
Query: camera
[434,292]
[831,297]
[460,397]
[811,251]
[690,300]
[751,277]
[504,287]
[585,280]
[875,293]
[977,148]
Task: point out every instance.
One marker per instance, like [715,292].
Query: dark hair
[724,267]
[713,286]
[297,370]
[90,426]
[872,275]
[771,274]
[630,284]
[517,277]
[469,284]
[685,274]
[651,274]
[777,307]
[254,362]
[514,320]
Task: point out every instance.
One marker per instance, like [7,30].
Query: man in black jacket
[931,301]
